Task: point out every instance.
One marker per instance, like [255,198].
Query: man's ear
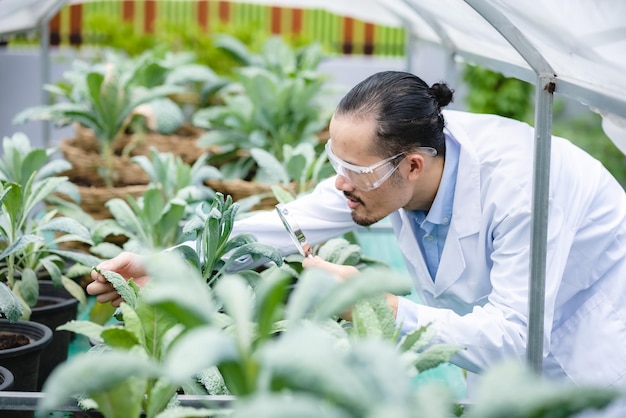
[416,165]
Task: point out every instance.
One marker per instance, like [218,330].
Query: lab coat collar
[466,212]
[465,221]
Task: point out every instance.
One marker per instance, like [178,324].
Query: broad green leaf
[270,169]
[124,215]
[53,270]
[435,355]
[79,257]
[178,290]
[69,226]
[92,373]
[133,321]
[119,338]
[313,286]
[374,317]
[74,289]
[373,282]
[271,295]
[256,250]
[9,304]
[153,205]
[121,286]
[28,287]
[198,349]
[89,329]
[237,299]
[41,190]
[527,395]
[161,393]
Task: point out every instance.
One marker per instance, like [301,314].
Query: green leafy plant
[154,221]
[275,100]
[299,172]
[103,97]
[30,234]
[215,249]
[280,356]
[137,344]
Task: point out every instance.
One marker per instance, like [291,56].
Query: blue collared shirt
[431,228]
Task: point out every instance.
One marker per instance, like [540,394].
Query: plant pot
[239,189]
[6,379]
[86,163]
[23,361]
[55,307]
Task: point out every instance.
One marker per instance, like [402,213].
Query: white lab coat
[479,298]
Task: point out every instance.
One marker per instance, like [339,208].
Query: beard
[362,220]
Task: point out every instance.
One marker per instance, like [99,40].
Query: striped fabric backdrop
[338,34]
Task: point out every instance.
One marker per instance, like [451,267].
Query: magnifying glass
[295,233]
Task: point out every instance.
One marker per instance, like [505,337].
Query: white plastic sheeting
[18,16]
[583,42]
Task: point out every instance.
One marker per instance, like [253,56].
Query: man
[457,188]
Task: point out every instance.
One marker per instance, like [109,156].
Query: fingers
[96,288]
[125,263]
[341,271]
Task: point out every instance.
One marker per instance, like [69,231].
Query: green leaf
[9,304]
[178,290]
[270,299]
[69,226]
[119,338]
[364,285]
[87,328]
[526,395]
[53,270]
[121,286]
[374,317]
[237,299]
[256,250]
[198,349]
[270,169]
[92,373]
[124,215]
[435,355]
[153,205]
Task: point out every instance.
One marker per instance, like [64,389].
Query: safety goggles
[370,177]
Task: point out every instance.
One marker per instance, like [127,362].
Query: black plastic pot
[6,379]
[56,306]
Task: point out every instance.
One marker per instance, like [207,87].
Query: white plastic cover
[583,42]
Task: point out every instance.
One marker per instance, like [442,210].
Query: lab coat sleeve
[322,214]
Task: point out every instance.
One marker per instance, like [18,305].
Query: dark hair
[407,111]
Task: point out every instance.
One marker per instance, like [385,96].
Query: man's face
[351,143]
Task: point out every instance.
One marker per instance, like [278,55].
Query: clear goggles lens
[371,177]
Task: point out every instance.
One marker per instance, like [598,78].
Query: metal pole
[539,219]
[44,44]
[546,82]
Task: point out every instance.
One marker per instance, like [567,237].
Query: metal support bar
[29,401]
[539,219]
[545,85]
[44,56]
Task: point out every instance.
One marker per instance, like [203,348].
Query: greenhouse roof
[24,15]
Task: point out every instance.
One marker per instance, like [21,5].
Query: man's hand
[128,265]
[340,271]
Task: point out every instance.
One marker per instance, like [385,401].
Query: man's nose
[343,184]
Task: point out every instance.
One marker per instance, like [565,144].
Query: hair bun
[442,94]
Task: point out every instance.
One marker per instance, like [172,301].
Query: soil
[12,340]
